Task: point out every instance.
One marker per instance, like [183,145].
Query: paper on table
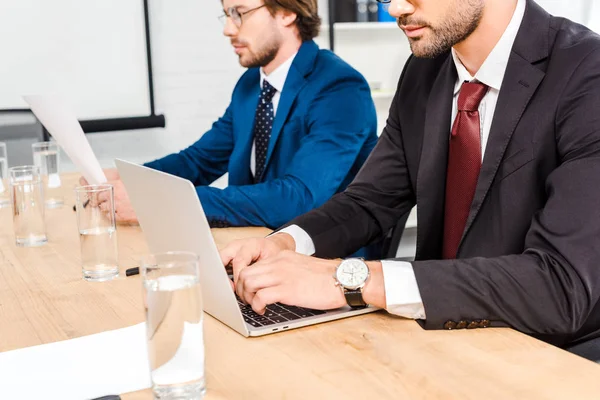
[112,362]
[60,120]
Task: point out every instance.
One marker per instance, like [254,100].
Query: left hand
[290,278]
[242,253]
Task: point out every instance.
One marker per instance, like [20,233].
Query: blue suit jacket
[324,129]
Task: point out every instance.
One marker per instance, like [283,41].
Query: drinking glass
[95,207]
[4,192]
[174,320]
[27,199]
[46,155]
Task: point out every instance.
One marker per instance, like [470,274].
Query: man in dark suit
[494,133]
[300,124]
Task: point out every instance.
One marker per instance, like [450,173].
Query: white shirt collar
[277,78]
[493,68]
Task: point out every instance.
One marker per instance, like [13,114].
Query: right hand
[243,253]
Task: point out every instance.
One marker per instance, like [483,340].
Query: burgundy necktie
[464,162]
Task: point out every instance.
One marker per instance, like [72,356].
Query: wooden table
[43,299]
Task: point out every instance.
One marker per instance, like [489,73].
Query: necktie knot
[267,92]
[470,96]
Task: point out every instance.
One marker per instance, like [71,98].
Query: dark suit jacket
[530,254]
[324,129]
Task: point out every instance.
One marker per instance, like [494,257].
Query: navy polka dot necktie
[263,124]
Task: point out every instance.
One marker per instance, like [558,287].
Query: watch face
[352,273]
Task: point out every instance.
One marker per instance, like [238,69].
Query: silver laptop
[172,219]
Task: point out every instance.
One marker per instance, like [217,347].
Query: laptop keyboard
[275,314]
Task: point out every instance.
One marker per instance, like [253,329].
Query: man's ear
[287,17]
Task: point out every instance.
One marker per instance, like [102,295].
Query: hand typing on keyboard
[289,278]
[267,271]
[243,253]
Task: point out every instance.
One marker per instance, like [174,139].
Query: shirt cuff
[304,244]
[401,290]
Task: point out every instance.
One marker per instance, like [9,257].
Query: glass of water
[27,199]
[4,193]
[46,155]
[174,320]
[95,207]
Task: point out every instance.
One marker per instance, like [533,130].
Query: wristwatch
[351,275]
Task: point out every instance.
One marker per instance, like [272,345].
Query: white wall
[195,71]
[575,10]
[594,22]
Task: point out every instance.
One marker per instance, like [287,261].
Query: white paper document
[113,362]
[60,120]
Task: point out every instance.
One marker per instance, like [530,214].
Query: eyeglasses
[236,16]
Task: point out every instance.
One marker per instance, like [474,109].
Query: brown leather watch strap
[354,298]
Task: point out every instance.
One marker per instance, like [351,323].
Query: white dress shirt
[277,80]
[401,290]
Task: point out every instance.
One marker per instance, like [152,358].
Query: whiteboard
[91,52]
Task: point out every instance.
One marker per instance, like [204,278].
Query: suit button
[461,325]
[484,323]
[449,325]
[473,325]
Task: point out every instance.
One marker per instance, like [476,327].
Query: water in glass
[48,161]
[28,213]
[99,253]
[4,192]
[175,338]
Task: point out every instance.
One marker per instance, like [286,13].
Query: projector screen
[91,52]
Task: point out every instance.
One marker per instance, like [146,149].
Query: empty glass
[95,207]
[27,199]
[46,155]
[4,193]
[174,319]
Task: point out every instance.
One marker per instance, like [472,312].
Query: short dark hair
[307,20]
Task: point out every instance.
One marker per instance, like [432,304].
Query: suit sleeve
[378,197]
[553,286]
[340,120]
[206,160]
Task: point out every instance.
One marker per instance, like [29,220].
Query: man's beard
[450,32]
[264,55]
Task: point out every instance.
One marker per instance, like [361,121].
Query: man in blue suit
[300,124]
